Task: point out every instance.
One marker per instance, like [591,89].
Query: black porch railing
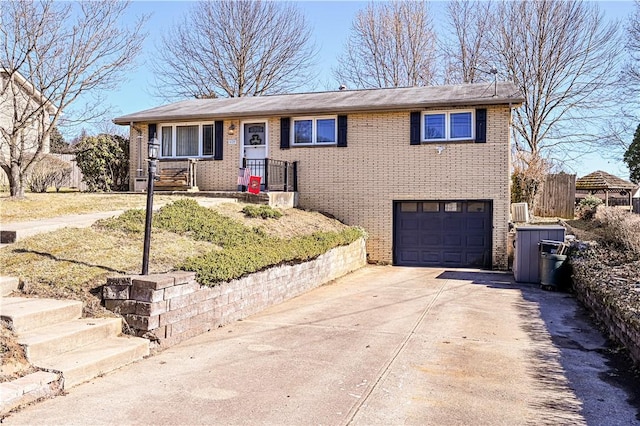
[276,175]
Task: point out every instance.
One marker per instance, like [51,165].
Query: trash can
[551,264]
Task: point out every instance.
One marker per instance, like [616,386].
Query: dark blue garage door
[442,233]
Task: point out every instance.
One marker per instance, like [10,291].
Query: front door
[254,146]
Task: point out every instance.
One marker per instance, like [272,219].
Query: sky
[331,23]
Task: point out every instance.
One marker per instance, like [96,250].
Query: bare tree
[467,52]
[564,58]
[391,45]
[52,53]
[232,48]
[633,45]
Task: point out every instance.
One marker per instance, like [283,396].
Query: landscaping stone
[116,292]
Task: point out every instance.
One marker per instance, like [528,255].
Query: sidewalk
[381,346]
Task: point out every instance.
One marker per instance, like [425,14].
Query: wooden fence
[75,179]
[557,197]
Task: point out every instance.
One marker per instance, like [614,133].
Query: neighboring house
[19,103]
[425,170]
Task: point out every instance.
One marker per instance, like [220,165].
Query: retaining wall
[169,308]
[623,330]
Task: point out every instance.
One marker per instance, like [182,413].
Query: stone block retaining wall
[625,331]
[169,308]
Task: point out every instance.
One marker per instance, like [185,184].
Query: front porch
[278,188]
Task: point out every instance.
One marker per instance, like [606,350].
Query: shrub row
[244,250]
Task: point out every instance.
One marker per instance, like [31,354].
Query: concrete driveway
[384,345]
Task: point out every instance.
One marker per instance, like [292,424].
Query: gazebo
[607,183]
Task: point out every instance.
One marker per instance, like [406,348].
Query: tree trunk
[16,181]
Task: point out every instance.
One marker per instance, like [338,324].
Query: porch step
[88,362]
[25,314]
[46,342]
[8,285]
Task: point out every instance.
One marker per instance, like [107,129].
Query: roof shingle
[600,180]
[332,102]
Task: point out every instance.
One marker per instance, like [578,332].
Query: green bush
[244,250]
[262,211]
[104,162]
[234,262]
[130,222]
[187,217]
[587,207]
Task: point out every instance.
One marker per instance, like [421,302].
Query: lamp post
[153,148]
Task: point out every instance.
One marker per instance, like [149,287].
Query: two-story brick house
[425,170]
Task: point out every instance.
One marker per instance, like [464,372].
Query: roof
[404,98]
[29,88]
[600,180]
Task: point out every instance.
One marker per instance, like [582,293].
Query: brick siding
[359,183]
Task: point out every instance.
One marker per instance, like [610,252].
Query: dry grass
[74,263]
[293,223]
[40,206]
[621,228]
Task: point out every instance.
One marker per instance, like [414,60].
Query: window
[476,207]
[187,140]
[431,206]
[447,125]
[453,207]
[314,130]
[408,207]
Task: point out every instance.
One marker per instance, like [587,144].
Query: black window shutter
[481,125]
[342,130]
[284,132]
[415,128]
[153,131]
[218,139]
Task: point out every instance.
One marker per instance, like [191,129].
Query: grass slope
[218,245]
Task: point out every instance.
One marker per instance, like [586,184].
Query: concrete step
[90,361]
[26,314]
[8,285]
[46,342]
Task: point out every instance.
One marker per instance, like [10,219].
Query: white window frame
[174,135]
[314,130]
[447,125]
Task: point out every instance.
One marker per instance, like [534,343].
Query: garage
[442,233]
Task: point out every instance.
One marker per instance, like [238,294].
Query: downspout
[139,170]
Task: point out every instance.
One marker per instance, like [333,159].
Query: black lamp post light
[153,149]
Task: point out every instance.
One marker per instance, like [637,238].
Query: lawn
[218,243]
[52,204]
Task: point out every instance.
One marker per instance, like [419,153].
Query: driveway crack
[385,370]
